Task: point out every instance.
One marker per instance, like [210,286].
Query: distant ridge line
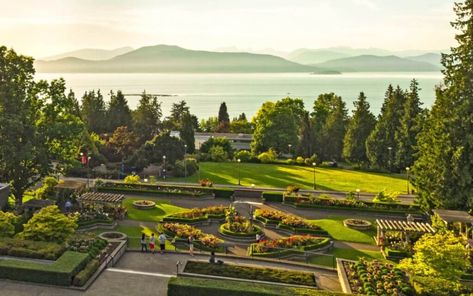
[156,95]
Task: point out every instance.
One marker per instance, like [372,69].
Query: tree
[241,125]
[444,168]
[209,125]
[218,154]
[306,145]
[187,132]
[411,123]
[174,120]
[441,255]
[118,113]
[223,119]
[275,127]
[37,125]
[219,141]
[381,145]
[94,112]
[147,118]
[122,142]
[7,224]
[330,119]
[359,128]
[49,224]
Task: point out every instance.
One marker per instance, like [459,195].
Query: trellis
[462,218]
[101,198]
[405,227]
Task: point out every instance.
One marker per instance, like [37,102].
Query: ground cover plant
[252,273]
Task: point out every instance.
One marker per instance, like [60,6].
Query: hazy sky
[46,27]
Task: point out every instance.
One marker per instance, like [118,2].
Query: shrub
[244,155]
[181,167]
[268,156]
[206,182]
[132,179]
[300,160]
[224,143]
[30,249]
[47,190]
[49,224]
[83,276]
[7,224]
[386,197]
[223,193]
[292,189]
[273,196]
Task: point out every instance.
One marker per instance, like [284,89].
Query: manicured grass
[181,286]
[334,226]
[162,209]
[274,175]
[252,273]
[351,254]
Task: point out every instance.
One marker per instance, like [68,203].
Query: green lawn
[274,175]
[351,254]
[334,226]
[162,209]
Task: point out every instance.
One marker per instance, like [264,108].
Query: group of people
[152,243]
[162,243]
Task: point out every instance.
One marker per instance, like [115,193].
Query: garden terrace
[101,198]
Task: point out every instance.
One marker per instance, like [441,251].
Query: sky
[47,27]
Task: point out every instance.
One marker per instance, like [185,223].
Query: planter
[144,204]
[357,224]
[240,236]
[113,236]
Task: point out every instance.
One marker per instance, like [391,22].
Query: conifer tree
[306,146]
[118,113]
[147,118]
[360,127]
[223,119]
[93,112]
[444,169]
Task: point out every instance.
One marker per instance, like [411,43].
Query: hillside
[90,54]
[371,63]
[174,59]
[431,58]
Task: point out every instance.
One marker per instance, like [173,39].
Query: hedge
[84,275]
[267,221]
[147,191]
[413,210]
[225,231]
[59,273]
[396,253]
[302,230]
[223,192]
[180,286]
[273,196]
[289,251]
[30,249]
[172,218]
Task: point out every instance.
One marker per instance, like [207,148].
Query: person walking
[152,243]
[258,238]
[190,241]
[162,242]
[144,245]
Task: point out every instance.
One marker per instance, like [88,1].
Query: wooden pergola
[402,226]
[101,198]
[461,218]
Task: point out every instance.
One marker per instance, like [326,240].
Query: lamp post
[358,193]
[389,156]
[289,149]
[313,165]
[185,162]
[164,167]
[407,173]
[238,164]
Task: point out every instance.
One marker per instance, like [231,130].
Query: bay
[246,92]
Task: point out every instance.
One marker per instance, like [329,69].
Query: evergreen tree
[187,132]
[330,120]
[381,145]
[223,119]
[361,125]
[178,111]
[147,118]
[93,112]
[118,113]
[444,168]
[306,146]
[242,116]
[411,122]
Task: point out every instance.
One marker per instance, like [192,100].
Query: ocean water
[246,92]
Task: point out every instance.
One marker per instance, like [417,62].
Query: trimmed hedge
[59,273]
[84,275]
[180,286]
[289,251]
[273,196]
[30,249]
[223,192]
[267,221]
[225,231]
[302,230]
[396,253]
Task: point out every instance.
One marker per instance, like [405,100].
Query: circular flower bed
[144,204]
[357,224]
[239,230]
[113,235]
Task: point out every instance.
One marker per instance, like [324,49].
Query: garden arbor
[459,221]
[404,228]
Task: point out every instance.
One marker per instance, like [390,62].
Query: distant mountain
[371,63]
[90,54]
[431,58]
[315,56]
[166,58]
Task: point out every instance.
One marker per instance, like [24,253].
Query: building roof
[450,216]
[405,226]
[100,197]
[226,135]
[38,203]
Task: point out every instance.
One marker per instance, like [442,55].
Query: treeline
[328,133]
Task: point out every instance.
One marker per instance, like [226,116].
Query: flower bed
[376,278]
[357,224]
[198,214]
[30,249]
[295,244]
[288,222]
[299,200]
[154,189]
[144,204]
[181,232]
[233,230]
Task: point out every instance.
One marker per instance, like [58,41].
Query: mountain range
[174,59]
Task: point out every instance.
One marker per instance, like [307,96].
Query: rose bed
[144,204]
[357,224]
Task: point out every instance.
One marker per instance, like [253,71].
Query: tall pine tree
[93,112]
[223,119]
[444,169]
[147,118]
[118,113]
[306,145]
[360,127]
